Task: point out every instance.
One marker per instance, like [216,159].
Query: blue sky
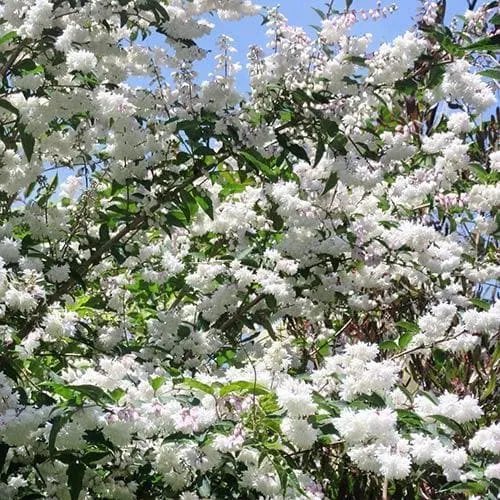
[249,31]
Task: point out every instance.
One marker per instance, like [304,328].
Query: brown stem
[385,487]
[241,311]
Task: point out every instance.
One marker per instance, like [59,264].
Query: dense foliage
[289,293]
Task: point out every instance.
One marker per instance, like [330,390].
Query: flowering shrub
[286,294]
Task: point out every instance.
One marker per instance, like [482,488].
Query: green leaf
[481,304]
[28,142]
[408,326]
[4,449]
[480,173]
[449,423]
[104,232]
[329,127]
[320,13]
[490,387]
[183,331]
[258,164]
[123,18]
[205,203]
[348,4]
[488,44]
[271,301]
[491,73]
[407,86]
[409,418]
[331,182]
[95,456]
[405,339]
[388,345]
[7,37]
[244,386]
[298,151]
[160,13]
[360,61]
[282,474]
[199,386]
[157,382]
[470,487]
[320,151]
[338,143]
[372,399]
[495,19]
[8,106]
[26,65]
[92,392]
[436,75]
[117,394]
[225,357]
[57,424]
[75,473]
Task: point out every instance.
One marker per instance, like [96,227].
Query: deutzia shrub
[287,293]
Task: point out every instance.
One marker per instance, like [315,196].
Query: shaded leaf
[92,392]
[8,106]
[331,182]
[28,142]
[75,473]
[298,151]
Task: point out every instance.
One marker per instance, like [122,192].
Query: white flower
[391,61]
[58,274]
[422,448]
[39,16]
[333,30]
[460,83]
[460,410]
[230,443]
[17,482]
[394,465]
[20,300]
[459,123]
[362,351]
[487,438]
[9,250]
[492,471]
[29,82]
[451,460]
[81,60]
[365,457]
[301,434]
[484,197]
[187,495]
[31,263]
[364,424]
[451,406]
[58,323]
[495,161]
[296,397]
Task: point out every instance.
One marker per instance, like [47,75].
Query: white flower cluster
[208,294]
